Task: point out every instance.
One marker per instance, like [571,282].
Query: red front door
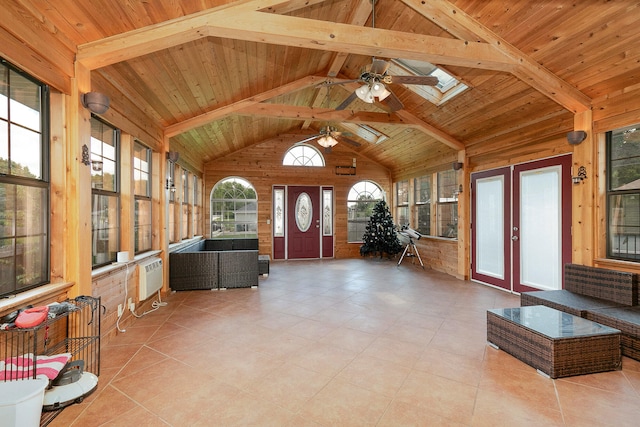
[303,222]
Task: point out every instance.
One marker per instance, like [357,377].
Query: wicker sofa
[215,264]
[608,297]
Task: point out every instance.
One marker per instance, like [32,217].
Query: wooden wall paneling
[519,154]
[158,203]
[261,165]
[127,222]
[57,175]
[77,231]
[125,114]
[40,36]
[35,63]
[115,288]
[583,208]
[616,110]
[464,219]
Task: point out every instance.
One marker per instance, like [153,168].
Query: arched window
[234,209]
[303,155]
[360,202]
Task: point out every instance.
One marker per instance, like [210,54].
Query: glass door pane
[489,226]
[540,222]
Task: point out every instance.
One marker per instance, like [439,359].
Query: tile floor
[357,342]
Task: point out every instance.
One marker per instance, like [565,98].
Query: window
[185,204]
[623,194]
[171,186]
[448,86]
[366,132]
[234,209]
[303,155]
[105,200]
[360,203]
[422,204]
[142,196]
[197,208]
[24,187]
[402,203]
[447,206]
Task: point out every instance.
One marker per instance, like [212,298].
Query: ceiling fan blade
[350,141]
[347,101]
[311,138]
[393,102]
[379,66]
[413,80]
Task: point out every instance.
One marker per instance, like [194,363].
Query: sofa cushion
[627,319]
[566,301]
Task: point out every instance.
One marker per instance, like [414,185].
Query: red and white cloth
[15,368]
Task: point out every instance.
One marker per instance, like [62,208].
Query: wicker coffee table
[556,343]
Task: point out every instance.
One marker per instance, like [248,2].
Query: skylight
[366,132]
[447,87]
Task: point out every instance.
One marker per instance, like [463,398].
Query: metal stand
[411,251]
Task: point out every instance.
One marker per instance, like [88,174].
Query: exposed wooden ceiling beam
[321,114]
[414,121]
[458,23]
[219,113]
[430,130]
[359,15]
[241,21]
[291,6]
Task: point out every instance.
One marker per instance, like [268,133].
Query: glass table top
[551,322]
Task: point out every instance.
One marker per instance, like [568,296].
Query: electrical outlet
[129,301]
[120,310]
[132,306]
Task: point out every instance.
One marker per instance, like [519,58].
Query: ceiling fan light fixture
[327,141]
[364,93]
[385,93]
[378,89]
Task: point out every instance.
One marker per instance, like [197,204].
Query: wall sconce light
[96,165]
[173,156]
[95,102]
[582,175]
[576,137]
[170,185]
[457,166]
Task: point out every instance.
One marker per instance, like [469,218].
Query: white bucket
[21,402]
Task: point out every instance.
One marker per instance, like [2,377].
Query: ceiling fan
[328,137]
[374,79]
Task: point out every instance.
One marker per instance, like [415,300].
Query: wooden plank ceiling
[220,75]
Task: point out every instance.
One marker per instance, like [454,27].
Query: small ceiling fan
[374,79]
[328,137]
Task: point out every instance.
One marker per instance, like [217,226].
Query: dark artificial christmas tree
[380,235]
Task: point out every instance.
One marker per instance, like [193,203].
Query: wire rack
[76,331]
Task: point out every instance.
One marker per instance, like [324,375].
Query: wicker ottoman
[557,344]
[263,265]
